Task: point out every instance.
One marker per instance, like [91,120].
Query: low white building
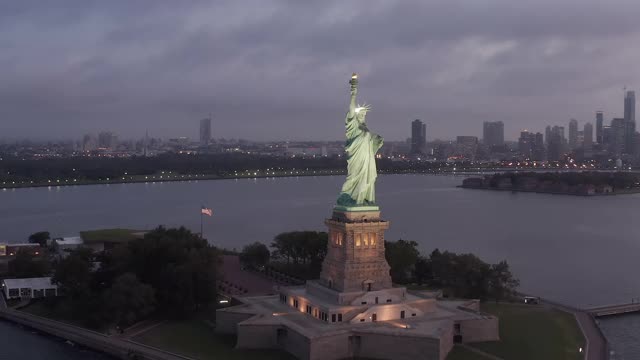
[29,288]
[69,243]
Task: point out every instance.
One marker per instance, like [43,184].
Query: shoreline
[84,338]
[183,178]
[613,193]
[284,174]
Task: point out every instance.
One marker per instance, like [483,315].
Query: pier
[617,309]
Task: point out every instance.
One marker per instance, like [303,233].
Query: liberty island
[353,310]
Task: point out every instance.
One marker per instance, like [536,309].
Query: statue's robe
[361,149]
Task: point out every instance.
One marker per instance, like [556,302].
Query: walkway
[596,344]
[236,281]
[479,352]
[614,309]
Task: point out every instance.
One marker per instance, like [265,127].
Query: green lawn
[110,235]
[460,353]
[196,339]
[55,310]
[529,332]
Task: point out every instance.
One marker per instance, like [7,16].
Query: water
[20,343]
[578,250]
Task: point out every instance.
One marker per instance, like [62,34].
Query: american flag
[206,211]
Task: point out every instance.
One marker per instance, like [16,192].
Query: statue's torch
[354,81]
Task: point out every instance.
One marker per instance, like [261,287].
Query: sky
[279,70]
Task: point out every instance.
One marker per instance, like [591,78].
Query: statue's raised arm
[354,91]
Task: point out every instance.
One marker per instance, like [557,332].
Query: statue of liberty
[361,148]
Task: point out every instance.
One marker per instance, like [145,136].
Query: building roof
[18,245]
[37,283]
[73,240]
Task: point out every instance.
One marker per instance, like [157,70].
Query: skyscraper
[493,133]
[629,121]
[538,147]
[556,144]
[617,138]
[205,131]
[525,144]
[599,125]
[547,135]
[630,106]
[573,134]
[418,136]
[588,136]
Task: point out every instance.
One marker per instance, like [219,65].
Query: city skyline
[131,68]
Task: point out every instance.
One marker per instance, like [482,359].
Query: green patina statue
[361,147]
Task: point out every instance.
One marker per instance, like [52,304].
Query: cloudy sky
[270,69]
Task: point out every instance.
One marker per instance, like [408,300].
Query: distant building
[630,106]
[205,131]
[531,146]
[606,136]
[467,146]
[493,133]
[89,143]
[599,127]
[107,140]
[525,144]
[418,136]
[573,134]
[538,148]
[617,137]
[547,135]
[7,250]
[588,137]
[629,122]
[68,243]
[556,144]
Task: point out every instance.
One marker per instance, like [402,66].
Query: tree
[255,255]
[177,264]
[471,277]
[40,237]
[25,265]
[73,274]
[303,252]
[401,256]
[300,247]
[502,284]
[129,300]
[422,272]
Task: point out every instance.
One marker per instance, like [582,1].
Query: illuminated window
[365,239]
[336,238]
[372,239]
[358,239]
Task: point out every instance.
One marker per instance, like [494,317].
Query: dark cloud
[271,69]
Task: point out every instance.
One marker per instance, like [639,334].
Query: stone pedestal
[355,255]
